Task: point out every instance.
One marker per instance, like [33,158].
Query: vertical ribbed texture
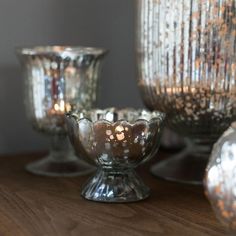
[186,59]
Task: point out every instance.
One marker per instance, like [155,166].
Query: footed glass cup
[59,79]
[116,141]
[186,68]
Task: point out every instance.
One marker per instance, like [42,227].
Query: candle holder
[186,68]
[220,182]
[59,79]
[116,141]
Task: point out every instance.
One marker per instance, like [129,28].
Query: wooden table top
[37,206]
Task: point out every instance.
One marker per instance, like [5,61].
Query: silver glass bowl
[116,141]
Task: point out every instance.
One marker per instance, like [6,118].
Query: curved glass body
[116,141]
[220,182]
[59,79]
[186,62]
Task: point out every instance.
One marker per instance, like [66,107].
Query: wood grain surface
[37,206]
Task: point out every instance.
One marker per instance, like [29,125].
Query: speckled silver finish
[220,179]
[116,141]
[58,79]
[186,62]
[186,65]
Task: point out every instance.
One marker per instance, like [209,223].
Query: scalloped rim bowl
[117,141]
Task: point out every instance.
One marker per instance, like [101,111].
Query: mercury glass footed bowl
[59,79]
[116,141]
[186,61]
[220,178]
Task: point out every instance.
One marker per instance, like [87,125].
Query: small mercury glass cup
[116,141]
[58,79]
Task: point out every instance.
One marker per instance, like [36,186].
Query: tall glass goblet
[187,68]
[59,79]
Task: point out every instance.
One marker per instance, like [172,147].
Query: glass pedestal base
[184,167]
[115,186]
[61,161]
[68,167]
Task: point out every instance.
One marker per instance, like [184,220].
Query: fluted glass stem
[115,185]
[61,149]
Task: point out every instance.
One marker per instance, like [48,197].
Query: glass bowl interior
[113,115]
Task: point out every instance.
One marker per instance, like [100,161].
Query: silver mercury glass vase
[59,79]
[220,179]
[186,68]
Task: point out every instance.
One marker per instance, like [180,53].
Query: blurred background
[98,23]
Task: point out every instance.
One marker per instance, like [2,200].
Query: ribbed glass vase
[186,52]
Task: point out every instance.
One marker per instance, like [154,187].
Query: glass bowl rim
[80,115]
[60,50]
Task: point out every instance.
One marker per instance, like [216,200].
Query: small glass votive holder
[116,141]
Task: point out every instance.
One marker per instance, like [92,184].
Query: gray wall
[103,23]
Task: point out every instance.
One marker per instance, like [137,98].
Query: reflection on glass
[186,63]
[59,79]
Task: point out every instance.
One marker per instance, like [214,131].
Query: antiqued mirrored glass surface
[58,79]
[186,65]
[186,54]
[116,141]
[220,179]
